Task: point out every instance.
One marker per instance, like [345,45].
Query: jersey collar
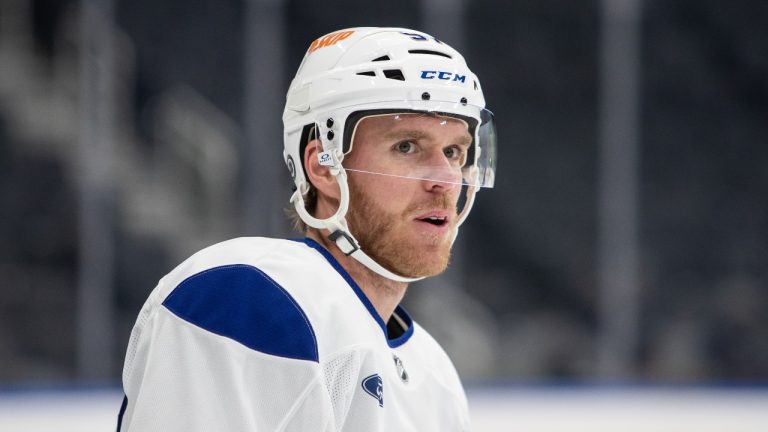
[399,310]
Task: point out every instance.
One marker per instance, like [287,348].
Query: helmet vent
[395,74]
[382,58]
[429,52]
[367,73]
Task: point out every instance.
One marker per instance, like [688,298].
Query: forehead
[426,126]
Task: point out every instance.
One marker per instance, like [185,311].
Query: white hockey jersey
[257,334]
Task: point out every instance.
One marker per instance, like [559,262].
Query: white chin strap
[341,235]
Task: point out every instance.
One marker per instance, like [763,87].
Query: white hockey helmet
[353,73]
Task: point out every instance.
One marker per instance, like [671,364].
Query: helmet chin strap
[342,236]
[340,233]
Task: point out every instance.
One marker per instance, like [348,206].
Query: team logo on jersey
[374,386]
[401,372]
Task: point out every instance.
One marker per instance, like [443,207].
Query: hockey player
[387,141]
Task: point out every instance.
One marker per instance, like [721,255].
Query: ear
[320,176]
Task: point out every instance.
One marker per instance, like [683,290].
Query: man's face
[404,181]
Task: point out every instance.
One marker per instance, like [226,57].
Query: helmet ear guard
[372,70]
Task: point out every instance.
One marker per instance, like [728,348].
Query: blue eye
[453,152]
[404,147]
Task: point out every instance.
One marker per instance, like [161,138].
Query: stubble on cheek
[387,238]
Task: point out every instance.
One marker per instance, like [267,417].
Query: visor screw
[330,135]
[329,123]
[463,101]
[425,96]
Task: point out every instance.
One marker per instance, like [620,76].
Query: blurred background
[625,242]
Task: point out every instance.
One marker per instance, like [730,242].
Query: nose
[440,173]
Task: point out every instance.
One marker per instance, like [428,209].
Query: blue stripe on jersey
[394,343]
[242,303]
[123,406]
[403,338]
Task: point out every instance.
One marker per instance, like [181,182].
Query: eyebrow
[417,134]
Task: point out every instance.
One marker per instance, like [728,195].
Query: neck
[385,294]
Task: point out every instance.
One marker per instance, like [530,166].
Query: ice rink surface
[494,409]
[619,409]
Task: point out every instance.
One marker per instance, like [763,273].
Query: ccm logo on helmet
[446,76]
[329,40]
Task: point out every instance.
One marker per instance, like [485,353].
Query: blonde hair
[310,203]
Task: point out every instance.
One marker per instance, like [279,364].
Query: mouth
[437,219]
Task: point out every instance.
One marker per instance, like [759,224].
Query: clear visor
[431,146]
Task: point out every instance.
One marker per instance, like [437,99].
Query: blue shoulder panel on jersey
[242,303]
